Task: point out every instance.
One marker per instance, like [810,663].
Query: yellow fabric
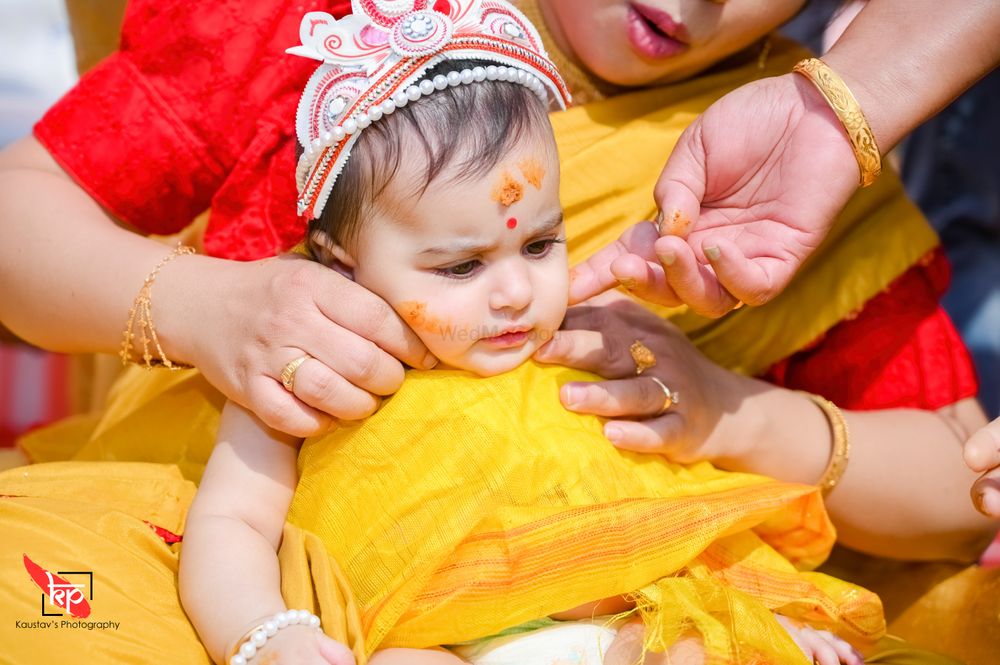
[468,505]
[92,516]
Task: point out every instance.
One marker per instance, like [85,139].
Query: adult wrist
[183,294]
[849,114]
[781,434]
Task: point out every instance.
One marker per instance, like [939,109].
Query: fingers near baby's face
[648,41]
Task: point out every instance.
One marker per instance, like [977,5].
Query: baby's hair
[469,127]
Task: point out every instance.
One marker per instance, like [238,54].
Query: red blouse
[194,112]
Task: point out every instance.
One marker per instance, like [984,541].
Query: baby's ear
[332,255]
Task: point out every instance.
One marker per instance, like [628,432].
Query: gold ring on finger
[643,357]
[670,397]
[288,373]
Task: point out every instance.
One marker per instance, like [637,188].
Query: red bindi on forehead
[512,223]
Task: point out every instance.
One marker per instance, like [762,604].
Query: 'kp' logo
[62,593]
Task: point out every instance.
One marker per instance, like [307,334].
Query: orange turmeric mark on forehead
[415,314]
[507,191]
[533,172]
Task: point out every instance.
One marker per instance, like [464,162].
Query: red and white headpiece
[373,62]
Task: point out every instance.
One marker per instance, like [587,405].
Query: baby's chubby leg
[415,657]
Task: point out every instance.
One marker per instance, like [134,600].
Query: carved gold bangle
[839,97]
[840,451]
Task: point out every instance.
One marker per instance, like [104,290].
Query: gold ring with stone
[670,397]
[288,373]
[643,357]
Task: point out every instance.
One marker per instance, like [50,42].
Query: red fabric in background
[34,390]
[900,351]
[197,109]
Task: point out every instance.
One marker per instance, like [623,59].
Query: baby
[449,210]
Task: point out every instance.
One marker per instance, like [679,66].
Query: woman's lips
[508,340]
[662,41]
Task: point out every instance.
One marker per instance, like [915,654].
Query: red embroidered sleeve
[196,109]
[900,351]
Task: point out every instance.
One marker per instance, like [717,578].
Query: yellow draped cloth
[463,507]
[466,506]
[714,547]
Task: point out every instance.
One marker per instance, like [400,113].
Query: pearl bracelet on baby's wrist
[255,638]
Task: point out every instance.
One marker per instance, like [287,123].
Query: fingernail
[713,253]
[614,434]
[979,499]
[668,259]
[627,283]
[575,395]
[659,221]
[430,361]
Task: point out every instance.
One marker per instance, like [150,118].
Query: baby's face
[478,268]
[657,41]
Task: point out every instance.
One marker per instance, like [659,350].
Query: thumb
[334,652]
[681,188]
[982,451]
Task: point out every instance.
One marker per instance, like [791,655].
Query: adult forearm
[905,491]
[68,272]
[937,49]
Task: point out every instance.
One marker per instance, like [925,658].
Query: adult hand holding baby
[241,323]
[278,311]
[596,337]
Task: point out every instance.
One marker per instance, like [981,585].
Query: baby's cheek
[444,331]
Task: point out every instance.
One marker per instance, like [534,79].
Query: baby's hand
[821,646]
[303,645]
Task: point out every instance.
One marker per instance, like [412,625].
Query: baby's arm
[229,577]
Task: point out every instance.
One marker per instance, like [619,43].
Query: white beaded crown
[373,63]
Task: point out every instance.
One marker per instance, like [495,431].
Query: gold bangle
[140,319]
[839,97]
[840,450]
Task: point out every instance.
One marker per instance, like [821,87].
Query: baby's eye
[461,270]
[541,247]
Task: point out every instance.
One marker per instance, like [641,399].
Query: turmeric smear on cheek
[415,314]
[533,172]
[508,191]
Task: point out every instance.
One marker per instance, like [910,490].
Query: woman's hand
[750,190]
[596,338]
[303,645]
[982,455]
[245,322]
